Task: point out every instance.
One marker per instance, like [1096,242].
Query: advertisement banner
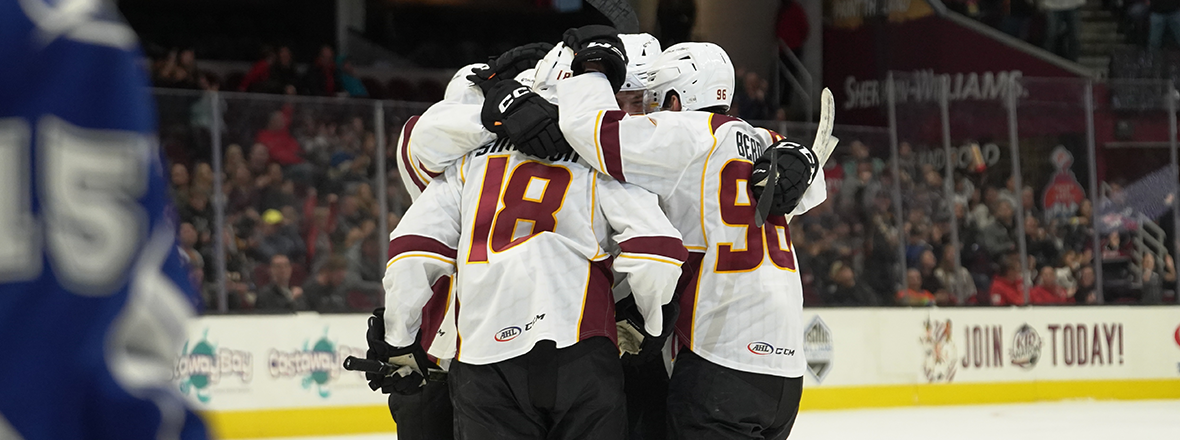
[258,362]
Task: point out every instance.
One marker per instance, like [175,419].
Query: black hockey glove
[528,120]
[796,169]
[412,359]
[509,64]
[601,44]
[637,345]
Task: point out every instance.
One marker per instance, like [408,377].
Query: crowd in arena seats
[301,214]
[276,71]
[848,247]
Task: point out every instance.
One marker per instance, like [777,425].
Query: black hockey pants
[708,401]
[547,394]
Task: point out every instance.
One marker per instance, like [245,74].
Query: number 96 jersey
[532,242]
[741,295]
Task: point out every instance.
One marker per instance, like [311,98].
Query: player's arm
[448,130]
[650,151]
[421,250]
[650,248]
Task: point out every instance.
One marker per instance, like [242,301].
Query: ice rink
[1072,420]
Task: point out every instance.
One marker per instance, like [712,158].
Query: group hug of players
[596,251]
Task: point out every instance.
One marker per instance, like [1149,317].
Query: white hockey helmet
[555,66]
[642,50]
[700,73]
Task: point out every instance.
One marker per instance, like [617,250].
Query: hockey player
[528,242]
[422,408]
[738,371]
[93,294]
[452,127]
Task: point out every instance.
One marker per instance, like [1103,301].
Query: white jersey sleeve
[447,131]
[650,248]
[651,151]
[422,250]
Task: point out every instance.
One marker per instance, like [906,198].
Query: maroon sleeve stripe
[418,243]
[406,166]
[432,174]
[716,121]
[609,139]
[663,246]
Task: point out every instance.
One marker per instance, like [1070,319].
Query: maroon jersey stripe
[662,246]
[407,167]
[418,243]
[609,138]
[598,311]
[687,289]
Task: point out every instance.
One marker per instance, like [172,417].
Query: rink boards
[271,376]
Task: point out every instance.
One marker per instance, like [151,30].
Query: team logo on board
[817,348]
[317,363]
[1177,336]
[1026,347]
[205,365]
[508,334]
[941,358]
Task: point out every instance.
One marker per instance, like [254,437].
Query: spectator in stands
[913,294]
[749,101]
[1152,284]
[281,146]
[1047,291]
[241,194]
[348,80]
[844,290]
[179,70]
[1165,15]
[1007,287]
[180,183]
[1061,27]
[1113,248]
[275,238]
[271,191]
[259,159]
[201,115]
[321,77]
[199,213]
[283,76]
[1087,292]
[280,295]
[997,236]
[325,290]
[926,265]
[955,279]
[1041,246]
[256,80]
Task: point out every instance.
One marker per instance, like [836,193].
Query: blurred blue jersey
[93,296]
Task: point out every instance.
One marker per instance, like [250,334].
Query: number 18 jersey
[741,295]
[531,241]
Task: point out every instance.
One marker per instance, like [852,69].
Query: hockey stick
[824,142]
[620,13]
[353,363]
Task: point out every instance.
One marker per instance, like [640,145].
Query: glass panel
[300,225]
[1137,187]
[847,246]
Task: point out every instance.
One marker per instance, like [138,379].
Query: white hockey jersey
[742,298]
[526,238]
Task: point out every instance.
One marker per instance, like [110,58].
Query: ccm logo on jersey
[764,348]
[508,100]
[508,334]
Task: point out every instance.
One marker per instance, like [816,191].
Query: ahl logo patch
[507,334]
[760,348]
